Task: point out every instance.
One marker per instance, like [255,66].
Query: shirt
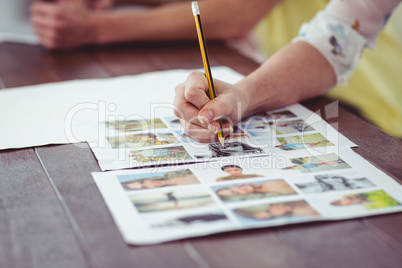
[344,29]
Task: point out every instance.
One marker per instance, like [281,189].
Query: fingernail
[231,129]
[206,116]
[200,119]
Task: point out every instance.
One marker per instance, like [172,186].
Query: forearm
[221,19]
[295,73]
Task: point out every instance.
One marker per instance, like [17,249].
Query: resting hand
[62,24]
[198,114]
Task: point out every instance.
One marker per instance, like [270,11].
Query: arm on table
[68,24]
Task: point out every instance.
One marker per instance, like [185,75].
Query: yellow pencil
[205,60]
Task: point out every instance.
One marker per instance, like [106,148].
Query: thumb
[214,109]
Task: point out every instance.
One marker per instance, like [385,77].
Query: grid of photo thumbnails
[235,196]
[163,140]
[219,196]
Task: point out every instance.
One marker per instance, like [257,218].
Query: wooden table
[52,214]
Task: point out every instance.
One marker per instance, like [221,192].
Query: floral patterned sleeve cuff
[339,43]
[344,29]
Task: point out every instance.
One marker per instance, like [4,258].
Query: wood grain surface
[52,214]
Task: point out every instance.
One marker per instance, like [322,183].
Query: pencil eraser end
[194,6]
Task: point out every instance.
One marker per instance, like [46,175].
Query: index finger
[184,109]
[196,88]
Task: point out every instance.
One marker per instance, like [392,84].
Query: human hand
[198,114]
[62,24]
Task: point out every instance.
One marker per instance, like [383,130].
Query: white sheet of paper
[52,113]
[168,203]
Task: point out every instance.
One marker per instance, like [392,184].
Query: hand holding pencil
[200,106]
[199,114]
[202,101]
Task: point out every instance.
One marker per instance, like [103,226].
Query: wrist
[243,101]
[249,97]
[96,25]
[262,91]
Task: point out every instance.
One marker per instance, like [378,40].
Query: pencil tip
[222,140]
